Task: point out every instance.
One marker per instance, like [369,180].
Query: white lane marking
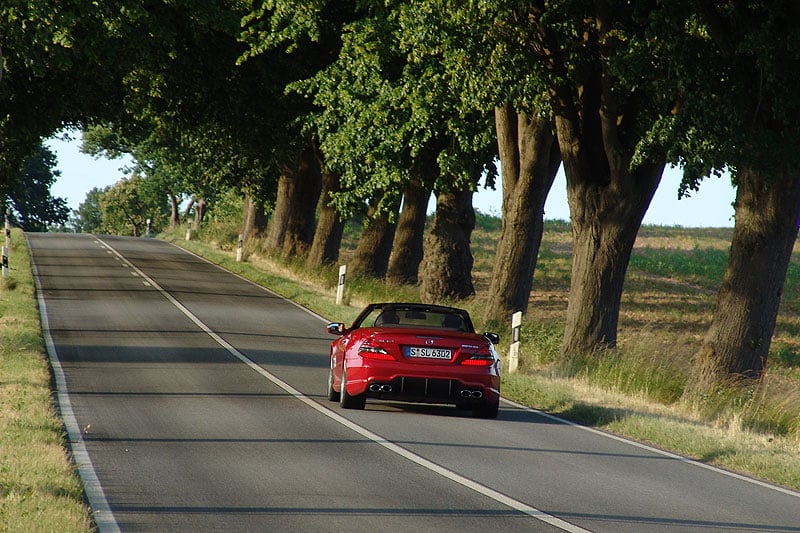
[101,511]
[374,437]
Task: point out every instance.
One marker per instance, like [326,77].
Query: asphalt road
[194,401]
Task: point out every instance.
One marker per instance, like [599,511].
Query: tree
[374,246]
[529,159]
[47,80]
[33,208]
[490,64]
[747,123]
[407,251]
[300,223]
[88,218]
[127,205]
[448,276]
[387,117]
[330,226]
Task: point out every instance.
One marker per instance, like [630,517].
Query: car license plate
[429,353]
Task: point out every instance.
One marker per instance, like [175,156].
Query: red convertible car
[414,353]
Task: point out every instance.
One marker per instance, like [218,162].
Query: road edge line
[101,512]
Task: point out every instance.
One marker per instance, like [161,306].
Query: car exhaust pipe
[377,387]
[477,393]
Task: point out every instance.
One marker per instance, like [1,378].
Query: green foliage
[384,117]
[32,206]
[787,357]
[50,74]
[704,267]
[88,218]
[488,223]
[223,221]
[127,205]
[736,65]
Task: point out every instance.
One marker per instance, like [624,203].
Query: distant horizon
[709,207]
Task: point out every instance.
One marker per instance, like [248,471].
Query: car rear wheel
[486,410]
[350,402]
[332,394]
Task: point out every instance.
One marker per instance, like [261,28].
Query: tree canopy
[32,206]
[383,97]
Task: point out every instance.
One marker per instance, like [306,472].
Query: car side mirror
[494,338]
[336,328]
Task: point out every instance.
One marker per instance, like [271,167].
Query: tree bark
[254,222]
[276,230]
[301,222]
[607,204]
[173,213]
[735,348]
[598,128]
[199,212]
[409,237]
[291,229]
[374,246]
[529,159]
[330,227]
[446,268]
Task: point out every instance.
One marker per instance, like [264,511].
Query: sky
[710,207]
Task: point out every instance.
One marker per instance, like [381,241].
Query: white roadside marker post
[189,230]
[239,246]
[340,286]
[8,243]
[513,351]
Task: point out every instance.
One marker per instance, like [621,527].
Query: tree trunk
[446,268]
[291,229]
[189,207]
[371,257]
[254,221]
[276,230]
[598,129]
[199,212]
[529,158]
[330,227]
[173,213]
[735,348]
[407,249]
[605,221]
[301,222]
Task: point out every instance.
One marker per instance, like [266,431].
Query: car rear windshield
[416,318]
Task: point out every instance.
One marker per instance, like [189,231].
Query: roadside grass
[635,390]
[39,489]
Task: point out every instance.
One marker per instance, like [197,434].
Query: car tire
[486,410]
[350,402]
[332,394]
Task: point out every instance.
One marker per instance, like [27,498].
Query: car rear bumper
[428,383]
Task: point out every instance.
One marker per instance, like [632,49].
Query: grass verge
[39,488]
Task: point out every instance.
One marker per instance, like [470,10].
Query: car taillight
[479,360]
[370,350]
